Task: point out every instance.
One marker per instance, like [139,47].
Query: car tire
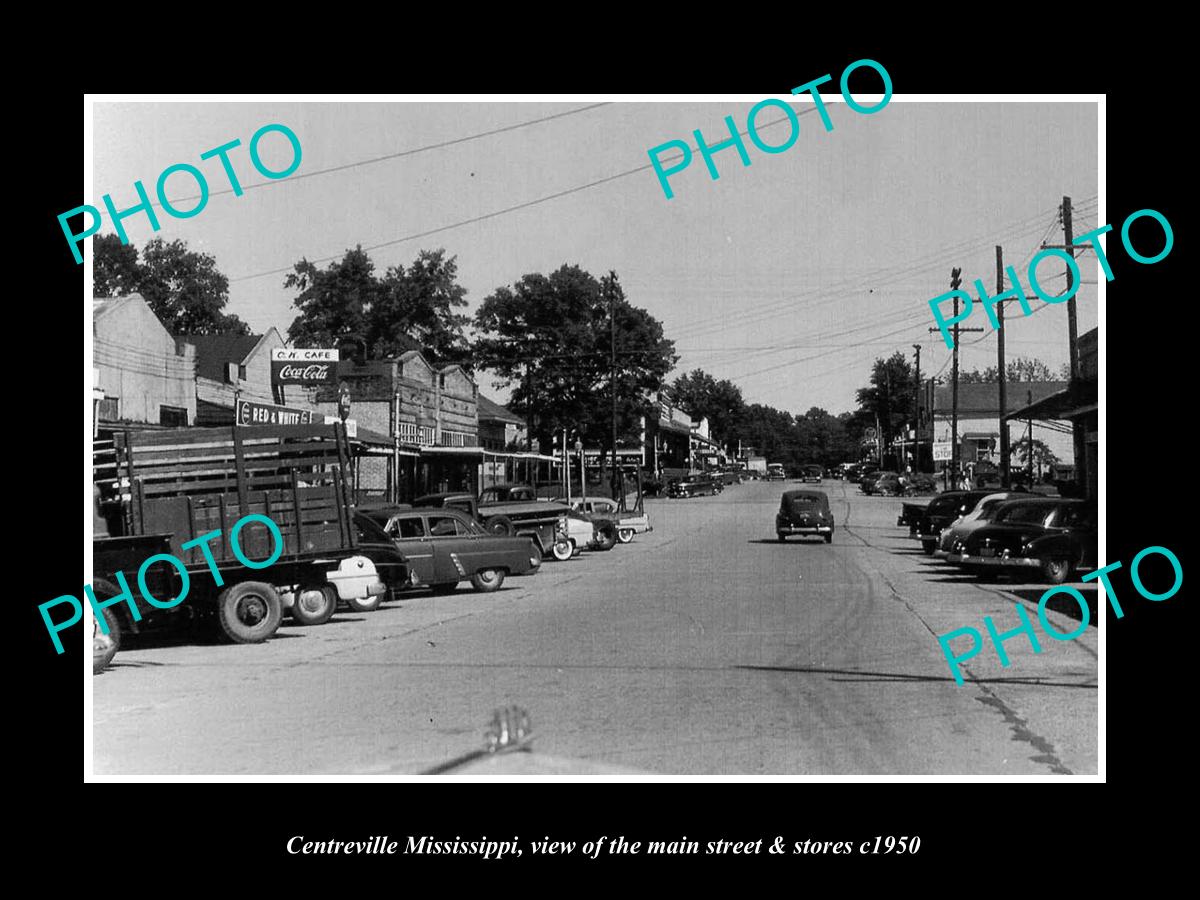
[317,613]
[487,580]
[365,604]
[929,547]
[606,537]
[445,588]
[105,646]
[562,550]
[625,535]
[829,538]
[249,612]
[500,525]
[1055,570]
[781,537]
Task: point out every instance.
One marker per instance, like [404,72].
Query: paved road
[705,647]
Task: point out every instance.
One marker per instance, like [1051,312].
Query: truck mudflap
[356,579]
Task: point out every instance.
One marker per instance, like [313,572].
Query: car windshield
[1025,514]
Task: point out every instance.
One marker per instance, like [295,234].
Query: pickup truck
[170,488]
[545,523]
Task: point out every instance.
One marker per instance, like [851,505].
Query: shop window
[109,409]
[174,416]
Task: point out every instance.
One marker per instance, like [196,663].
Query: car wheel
[249,612]
[500,525]
[562,550]
[1056,570]
[606,538]
[445,588]
[487,580]
[315,605]
[365,604]
[105,646]
[829,538]
[782,538]
[929,547]
[625,535]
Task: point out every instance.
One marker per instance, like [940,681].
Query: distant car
[942,512]
[919,483]
[1048,537]
[446,546]
[983,513]
[811,473]
[833,472]
[805,513]
[888,484]
[869,483]
[776,472]
[694,486]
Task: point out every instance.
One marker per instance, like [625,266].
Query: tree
[1020,369]
[406,309]
[1041,454]
[419,305]
[184,288]
[115,267]
[890,396]
[551,336]
[333,302]
[702,396]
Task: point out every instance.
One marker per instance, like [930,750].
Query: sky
[788,276]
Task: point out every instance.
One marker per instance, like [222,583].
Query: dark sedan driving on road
[805,513]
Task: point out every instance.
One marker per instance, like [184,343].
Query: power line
[508,209]
[400,154]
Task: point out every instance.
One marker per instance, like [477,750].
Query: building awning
[452,451]
[1073,403]
[541,457]
[675,427]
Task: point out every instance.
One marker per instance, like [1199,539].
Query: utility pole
[917,412]
[1001,374]
[618,477]
[1080,447]
[955,281]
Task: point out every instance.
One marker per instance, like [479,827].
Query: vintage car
[983,513]
[694,486]
[910,515]
[941,512]
[811,473]
[545,523]
[446,546]
[1049,538]
[869,483]
[805,513]
[628,523]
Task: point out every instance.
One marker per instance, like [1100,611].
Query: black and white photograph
[602,438]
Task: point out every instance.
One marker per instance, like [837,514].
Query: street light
[582,473]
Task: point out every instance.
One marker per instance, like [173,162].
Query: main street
[704,647]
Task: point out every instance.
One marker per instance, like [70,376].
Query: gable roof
[103,305]
[214,351]
[490,410]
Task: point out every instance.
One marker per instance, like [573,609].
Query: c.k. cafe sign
[292,365]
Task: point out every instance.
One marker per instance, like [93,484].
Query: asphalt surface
[703,648]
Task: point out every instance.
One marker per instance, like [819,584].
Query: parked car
[983,513]
[805,513]
[919,483]
[834,472]
[888,484]
[446,546]
[604,526]
[544,522]
[628,523]
[869,483]
[1050,538]
[694,486]
[910,515]
[811,473]
[941,512]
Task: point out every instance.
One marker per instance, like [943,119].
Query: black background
[976,828]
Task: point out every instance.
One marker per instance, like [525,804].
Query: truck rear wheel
[315,605]
[500,525]
[249,612]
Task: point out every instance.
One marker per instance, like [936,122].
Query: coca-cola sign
[302,366]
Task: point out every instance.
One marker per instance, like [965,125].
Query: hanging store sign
[252,413]
[303,366]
